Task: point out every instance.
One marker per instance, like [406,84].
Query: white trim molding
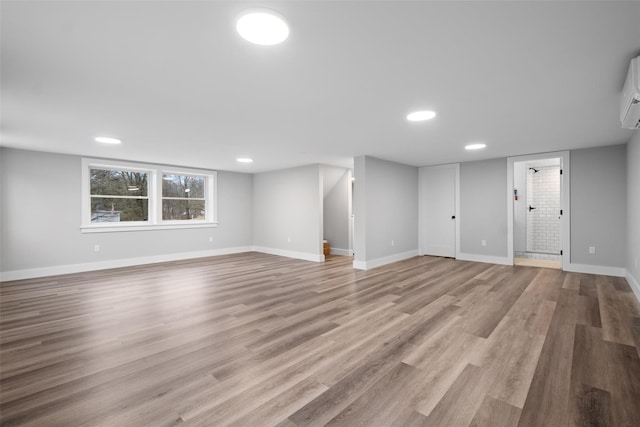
[305,256]
[360,265]
[134,227]
[33,273]
[489,259]
[367,265]
[633,283]
[595,269]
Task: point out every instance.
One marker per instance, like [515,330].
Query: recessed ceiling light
[107,140]
[475,146]
[244,160]
[420,116]
[262,27]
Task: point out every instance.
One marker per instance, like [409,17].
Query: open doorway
[337,211]
[536,213]
[538,210]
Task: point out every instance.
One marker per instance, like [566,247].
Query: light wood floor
[531,262]
[259,340]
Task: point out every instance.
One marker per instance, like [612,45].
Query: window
[183,197]
[118,196]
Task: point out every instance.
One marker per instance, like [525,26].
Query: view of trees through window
[119,195]
[183,197]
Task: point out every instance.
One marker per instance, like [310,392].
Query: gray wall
[599,205]
[40,211]
[483,209]
[287,210]
[359,209]
[633,207]
[41,203]
[336,214]
[385,207]
[520,207]
[2,208]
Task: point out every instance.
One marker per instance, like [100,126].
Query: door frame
[350,179]
[456,200]
[565,202]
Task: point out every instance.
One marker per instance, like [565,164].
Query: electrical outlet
[592,250]
[210,239]
[96,248]
[289,239]
[484,243]
[393,243]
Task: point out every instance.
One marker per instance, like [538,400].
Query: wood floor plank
[461,402]
[473,294]
[281,406]
[514,374]
[571,282]
[376,365]
[342,394]
[592,407]
[190,398]
[624,384]
[540,317]
[590,364]
[589,311]
[495,413]
[441,358]
[616,326]
[256,339]
[484,316]
[588,285]
[548,397]
[635,330]
[227,407]
[381,402]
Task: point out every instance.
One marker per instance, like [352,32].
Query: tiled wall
[543,223]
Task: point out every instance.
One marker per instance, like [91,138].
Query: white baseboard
[360,265]
[595,269]
[366,265]
[489,259]
[32,273]
[633,283]
[306,256]
[341,252]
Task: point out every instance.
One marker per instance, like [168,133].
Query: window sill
[138,227]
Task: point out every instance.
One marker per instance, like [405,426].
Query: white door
[438,210]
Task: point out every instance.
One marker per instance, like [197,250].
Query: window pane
[183,186]
[104,209]
[182,210]
[112,182]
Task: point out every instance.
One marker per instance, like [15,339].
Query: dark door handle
[453,217]
[531,208]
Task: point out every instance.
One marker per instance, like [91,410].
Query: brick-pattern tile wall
[543,223]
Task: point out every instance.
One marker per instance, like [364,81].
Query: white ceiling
[176,83]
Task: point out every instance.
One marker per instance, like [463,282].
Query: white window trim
[154,194]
